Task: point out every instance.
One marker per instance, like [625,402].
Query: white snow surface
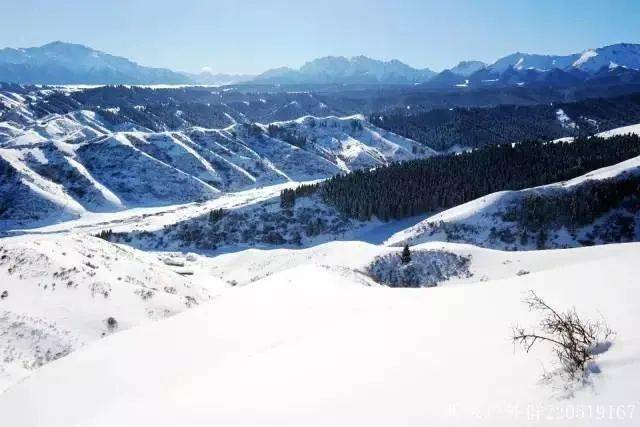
[631,129]
[565,120]
[622,54]
[313,346]
[63,288]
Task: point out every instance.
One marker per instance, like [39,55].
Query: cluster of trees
[161,117]
[216,215]
[581,206]
[245,226]
[105,234]
[428,268]
[472,127]
[159,112]
[442,129]
[428,185]
[288,195]
[287,198]
[284,134]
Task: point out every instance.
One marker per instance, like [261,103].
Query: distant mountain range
[593,60]
[356,70]
[66,63]
[59,63]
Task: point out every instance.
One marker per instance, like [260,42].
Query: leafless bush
[576,342]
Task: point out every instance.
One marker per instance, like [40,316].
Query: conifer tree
[406,255]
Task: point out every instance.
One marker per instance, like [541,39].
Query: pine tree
[216,215]
[287,198]
[406,255]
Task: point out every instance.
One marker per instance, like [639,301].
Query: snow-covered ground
[311,345]
[625,130]
[154,218]
[60,290]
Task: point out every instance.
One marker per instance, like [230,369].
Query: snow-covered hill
[64,165]
[313,346]
[60,292]
[598,207]
[624,130]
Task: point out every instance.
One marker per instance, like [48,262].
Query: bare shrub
[576,342]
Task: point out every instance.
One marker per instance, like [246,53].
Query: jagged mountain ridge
[67,63]
[466,68]
[615,63]
[591,60]
[355,70]
[512,69]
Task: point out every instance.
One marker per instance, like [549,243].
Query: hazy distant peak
[355,70]
[69,63]
[466,68]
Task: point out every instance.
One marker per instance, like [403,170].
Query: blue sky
[252,35]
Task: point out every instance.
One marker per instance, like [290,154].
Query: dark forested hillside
[581,206]
[401,107]
[436,183]
[475,127]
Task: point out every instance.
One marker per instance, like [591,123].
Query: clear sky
[254,35]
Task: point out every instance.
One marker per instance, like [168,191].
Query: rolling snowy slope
[631,129]
[312,346]
[252,265]
[59,292]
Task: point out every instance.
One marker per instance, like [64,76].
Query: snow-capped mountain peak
[525,61]
[357,70]
[466,68]
[68,63]
[590,60]
[621,54]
